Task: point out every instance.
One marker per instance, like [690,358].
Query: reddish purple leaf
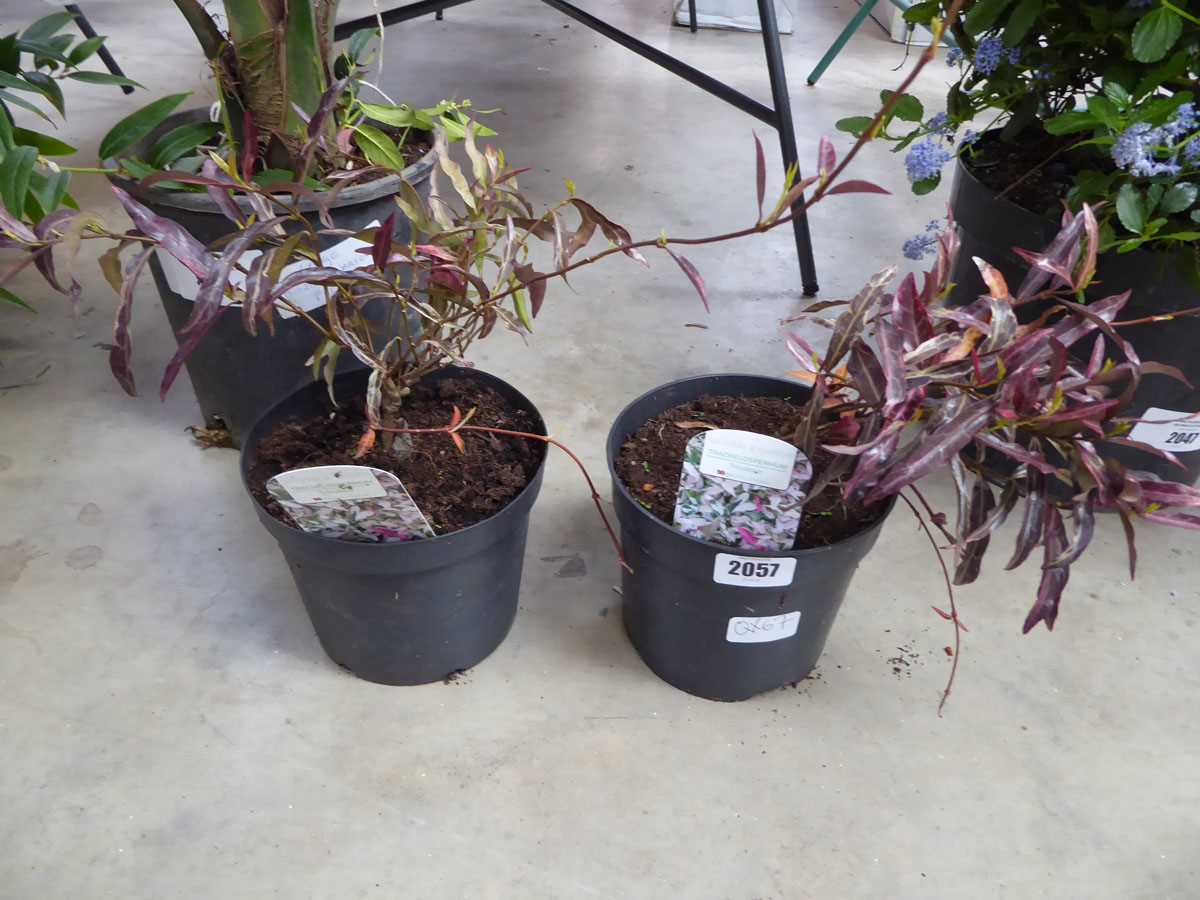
[1084,515]
[972,547]
[221,195]
[866,373]
[1017,452]
[121,354]
[856,186]
[693,275]
[1130,540]
[381,249]
[249,160]
[760,169]
[169,235]
[535,283]
[891,357]
[1054,578]
[1033,523]
[826,156]
[1175,520]
[1147,448]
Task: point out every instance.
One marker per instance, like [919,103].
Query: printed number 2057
[750,569]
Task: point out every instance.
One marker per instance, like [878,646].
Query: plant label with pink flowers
[742,489]
[350,503]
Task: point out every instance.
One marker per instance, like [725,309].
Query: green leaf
[1131,209]
[53,52]
[51,193]
[23,103]
[854,125]
[14,178]
[85,49]
[1115,92]
[103,78]
[983,15]
[359,41]
[925,185]
[180,141]
[40,50]
[1155,34]
[1071,122]
[402,116]
[46,145]
[6,134]
[922,13]
[1178,198]
[908,108]
[1173,68]
[18,84]
[47,27]
[9,297]
[10,56]
[268,177]
[1104,110]
[137,168]
[1154,194]
[1022,20]
[137,125]
[379,148]
[1195,216]
[524,312]
[48,88]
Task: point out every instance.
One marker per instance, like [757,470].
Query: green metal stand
[848,32]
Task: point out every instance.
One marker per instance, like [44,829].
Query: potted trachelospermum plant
[399,492]
[745,502]
[1076,105]
[294,114]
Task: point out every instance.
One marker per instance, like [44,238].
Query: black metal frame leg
[106,57]
[778,116]
[787,139]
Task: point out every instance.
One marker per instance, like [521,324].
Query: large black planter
[237,377]
[720,641]
[991,226]
[406,613]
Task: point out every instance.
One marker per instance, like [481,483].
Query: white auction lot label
[753,571]
[1165,429]
[761,629]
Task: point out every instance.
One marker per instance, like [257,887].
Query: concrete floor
[169,726]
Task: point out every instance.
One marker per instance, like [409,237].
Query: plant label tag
[1165,429]
[749,630]
[736,513]
[749,457]
[350,503]
[753,571]
[343,255]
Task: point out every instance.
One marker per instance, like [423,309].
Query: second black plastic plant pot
[405,613]
[689,620]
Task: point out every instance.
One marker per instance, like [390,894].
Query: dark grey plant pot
[407,613]
[679,619]
[237,377]
[990,226]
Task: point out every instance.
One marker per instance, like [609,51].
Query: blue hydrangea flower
[1133,145]
[940,124]
[1014,55]
[1181,123]
[920,245]
[925,160]
[989,54]
[1191,151]
[969,137]
[954,56]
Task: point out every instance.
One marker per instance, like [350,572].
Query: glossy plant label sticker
[745,456]
[736,513]
[343,255]
[1165,429]
[761,629]
[350,503]
[753,571]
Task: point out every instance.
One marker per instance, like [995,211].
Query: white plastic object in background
[737,15]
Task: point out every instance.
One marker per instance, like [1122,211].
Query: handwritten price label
[761,629]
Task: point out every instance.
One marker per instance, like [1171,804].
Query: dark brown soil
[1000,164]
[453,490]
[651,462]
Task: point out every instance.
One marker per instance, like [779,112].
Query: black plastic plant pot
[721,622]
[990,226]
[405,613]
[237,377]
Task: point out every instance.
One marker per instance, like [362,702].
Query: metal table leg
[787,139]
[88,31]
[692,16]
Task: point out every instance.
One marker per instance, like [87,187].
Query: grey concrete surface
[169,727]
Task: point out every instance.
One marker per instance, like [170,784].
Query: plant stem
[950,591]
[451,429]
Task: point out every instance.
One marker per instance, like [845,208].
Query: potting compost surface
[1037,171]
[453,489]
[650,462]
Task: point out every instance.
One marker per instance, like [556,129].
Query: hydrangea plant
[1115,76]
